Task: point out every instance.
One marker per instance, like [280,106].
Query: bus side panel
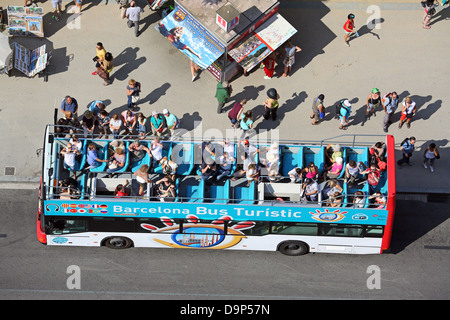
[390,206]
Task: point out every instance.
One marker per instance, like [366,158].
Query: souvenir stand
[226,36]
[27,21]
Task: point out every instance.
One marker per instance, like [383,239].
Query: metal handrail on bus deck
[201,139]
[152,198]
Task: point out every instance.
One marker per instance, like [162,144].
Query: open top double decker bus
[270,211]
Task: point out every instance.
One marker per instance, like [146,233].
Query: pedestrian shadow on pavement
[148,21]
[425,113]
[154,96]
[369,27]
[190,121]
[250,93]
[288,106]
[443,14]
[128,61]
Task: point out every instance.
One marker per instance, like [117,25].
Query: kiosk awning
[266,39]
[190,37]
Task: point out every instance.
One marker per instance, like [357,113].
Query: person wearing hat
[348,27]
[171,121]
[223,92]
[344,114]
[89,122]
[157,123]
[271,104]
[373,102]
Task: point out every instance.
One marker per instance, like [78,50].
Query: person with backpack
[407,147]
[343,110]
[373,176]
[390,104]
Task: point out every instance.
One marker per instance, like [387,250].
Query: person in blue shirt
[407,147]
[344,114]
[157,123]
[172,122]
[69,104]
[92,158]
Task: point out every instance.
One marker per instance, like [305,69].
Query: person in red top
[348,27]
[269,66]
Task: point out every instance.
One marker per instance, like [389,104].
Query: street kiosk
[226,37]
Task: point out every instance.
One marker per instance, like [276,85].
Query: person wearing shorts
[344,114]
[348,28]
[408,111]
[78,4]
[373,102]
[57,9]
[318,110]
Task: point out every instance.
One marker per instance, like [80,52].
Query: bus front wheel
[293,248]
[118,243]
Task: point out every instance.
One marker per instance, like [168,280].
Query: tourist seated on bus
[373,176]
[310,190]
[122,190]
[358,199]
[311,171]
[241,167]
[169,167]
[137,151]
[208,170]
[377,200]
[245,147]
[334,171]
[379,149]
[251,174]
[332,151]
[228,147]
[335,200]
[142,178]
[331,187]
[69,153]
[295,175]
[68,188]
[166,189]
[156,149]
[224,166]
[92,157]
[116,162]
[352,172]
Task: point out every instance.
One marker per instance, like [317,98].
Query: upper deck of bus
[277,194]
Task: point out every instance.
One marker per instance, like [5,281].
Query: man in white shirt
[133,15]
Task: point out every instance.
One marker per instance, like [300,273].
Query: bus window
[295,228]
[340,230]
[101,224]
[374,232]
[260,228]
[63,226]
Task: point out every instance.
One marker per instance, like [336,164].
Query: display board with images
[266,39]
[25,21]
[30,62]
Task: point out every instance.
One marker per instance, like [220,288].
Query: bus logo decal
[327,216]
[60,240]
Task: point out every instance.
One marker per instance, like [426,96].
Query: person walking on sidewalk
[407,147]
[271,104]
[223,92]
[318,110]
[408,111]
[344,114]
[430,154]
[289,59]
[349,26]
[390,104]
[372,103]
[430,10]
[133,15]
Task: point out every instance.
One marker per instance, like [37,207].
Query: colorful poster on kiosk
[190,37]
[266,39]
